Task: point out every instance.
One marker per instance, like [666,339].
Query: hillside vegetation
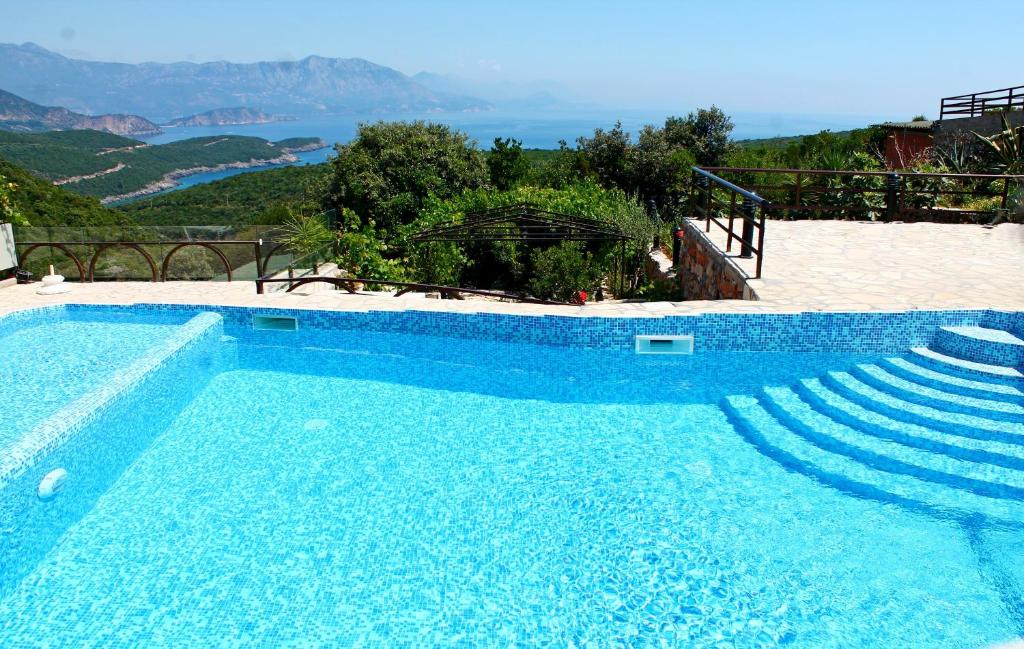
[257,197]
[104,165]
[42,204]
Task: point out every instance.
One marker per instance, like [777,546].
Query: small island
[237,116]
[300,144]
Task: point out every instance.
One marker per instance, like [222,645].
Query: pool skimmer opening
[664,344]
[274,323]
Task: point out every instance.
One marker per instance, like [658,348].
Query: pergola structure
[525,223]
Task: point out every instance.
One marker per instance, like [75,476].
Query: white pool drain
[316,424]
[52,483]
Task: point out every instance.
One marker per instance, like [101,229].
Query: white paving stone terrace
[809,266]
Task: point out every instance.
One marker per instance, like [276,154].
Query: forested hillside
[43,204]
[104,165]
[256,197]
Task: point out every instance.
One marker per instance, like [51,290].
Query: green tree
[506,163]
[704,133]
[560,170]
[656,167]
[389,169]
[659,168]
[605,156]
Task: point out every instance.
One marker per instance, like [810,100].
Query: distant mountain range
[229,117]
[311,86]
[18,114]
[535,96]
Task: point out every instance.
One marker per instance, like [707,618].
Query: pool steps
[980,344]
[925,395]
[919,373]
[963,367]
[939,429]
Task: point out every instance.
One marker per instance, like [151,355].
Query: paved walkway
[809,266]
[865,266]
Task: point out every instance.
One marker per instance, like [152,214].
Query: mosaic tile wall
[812,331]
[872,332]
[1003,351]
[1012,321]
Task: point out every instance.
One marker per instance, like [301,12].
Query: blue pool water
[49,362]
[335,488]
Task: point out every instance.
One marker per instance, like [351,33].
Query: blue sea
[535,131]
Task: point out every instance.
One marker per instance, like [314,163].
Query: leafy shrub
[560,271]
[304,235]
[9,212]
[506,264]
[587,199]
[440,263]
[361,254]
[193,263]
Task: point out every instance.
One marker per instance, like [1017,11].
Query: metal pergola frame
[526,223]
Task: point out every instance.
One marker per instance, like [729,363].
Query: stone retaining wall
[705,273]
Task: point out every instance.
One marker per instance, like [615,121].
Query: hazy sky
[857,57]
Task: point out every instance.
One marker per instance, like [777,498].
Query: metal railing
[153,249]
[877,195]
[977,103]
[299,267]
[716,200]
[353,284]
[245,252]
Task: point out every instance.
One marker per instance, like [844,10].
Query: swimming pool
[438,479]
